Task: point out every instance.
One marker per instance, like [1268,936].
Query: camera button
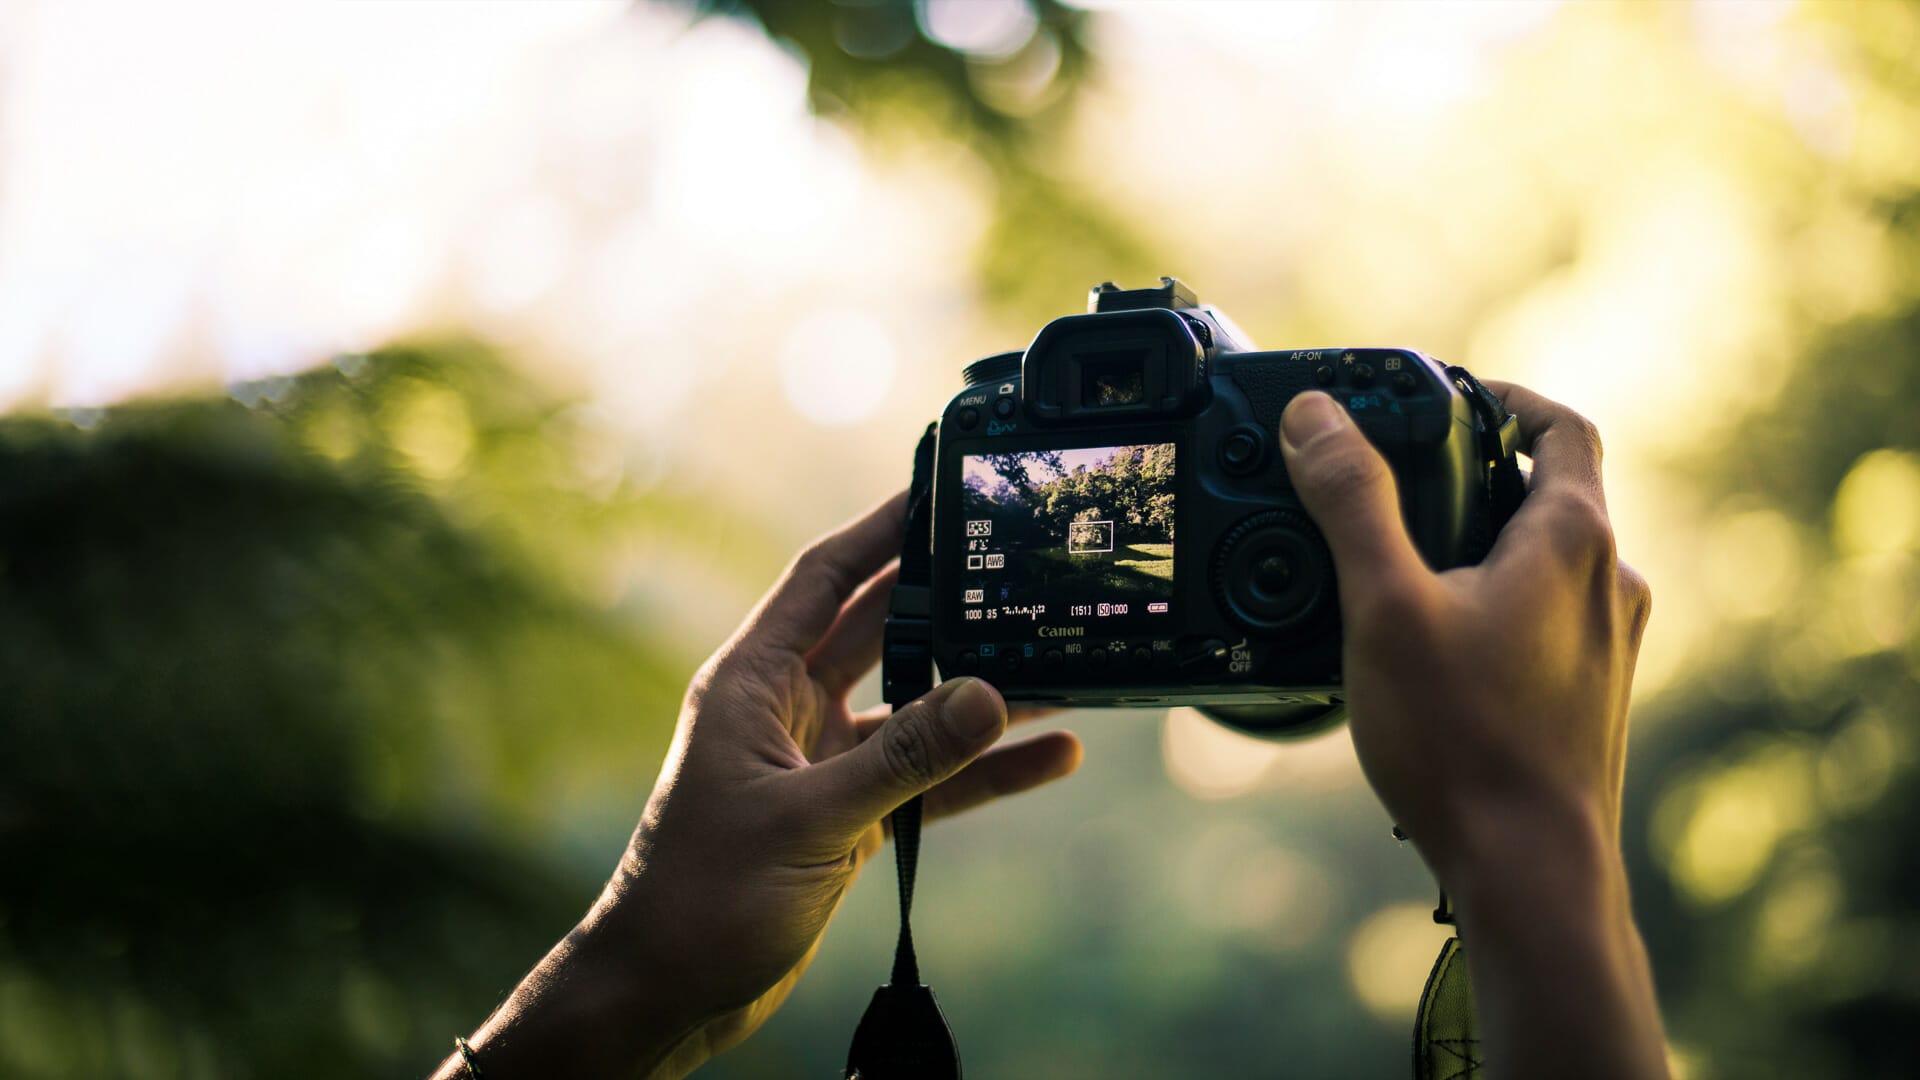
[967,662]
[1362,375]
[1323,374]
[969,418]
[1097,658]
[1405,383]
[1003,408]
[1010,661]
[1241,451]
[1143,656]
[1053,658]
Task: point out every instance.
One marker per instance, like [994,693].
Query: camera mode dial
[992,369]
[1272,573]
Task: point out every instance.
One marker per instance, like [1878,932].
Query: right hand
[1486,698]
[1488,707]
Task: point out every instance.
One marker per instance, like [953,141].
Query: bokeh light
[1388,958]
[837,366]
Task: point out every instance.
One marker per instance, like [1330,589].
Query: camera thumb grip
[1348,489]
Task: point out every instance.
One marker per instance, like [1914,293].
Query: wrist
[630,936]
[1558,852]
[598,1004]
[1559,971]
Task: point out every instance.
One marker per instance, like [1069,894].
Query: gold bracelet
[467,1060]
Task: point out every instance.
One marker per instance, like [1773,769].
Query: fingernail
[1309,416]
[971,709]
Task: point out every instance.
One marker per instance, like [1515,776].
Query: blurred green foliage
[864,56]
[1770,808]
[873,64]
[279,709]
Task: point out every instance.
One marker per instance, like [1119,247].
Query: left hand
[773,796]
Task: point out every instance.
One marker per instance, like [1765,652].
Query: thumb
[921,744]
[1350,493]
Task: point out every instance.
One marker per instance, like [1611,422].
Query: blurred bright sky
[1614,204]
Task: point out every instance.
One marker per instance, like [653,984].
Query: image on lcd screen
[1068,535]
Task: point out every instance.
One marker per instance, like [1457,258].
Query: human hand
[772,797]
[1488,708]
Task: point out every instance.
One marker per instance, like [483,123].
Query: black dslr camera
[1111,524]
[1104,519]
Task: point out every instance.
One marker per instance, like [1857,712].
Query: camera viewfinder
[1109,379]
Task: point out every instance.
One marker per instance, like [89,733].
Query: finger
[917,747]
[1350,492]
[1565,512]
[1007,770]
[807,598]
[868,721]
[851,646]
[1565,446]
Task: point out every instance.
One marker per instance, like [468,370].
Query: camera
[1111,523]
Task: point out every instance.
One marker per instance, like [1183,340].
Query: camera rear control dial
[1272,574]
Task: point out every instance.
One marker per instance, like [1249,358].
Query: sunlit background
[404,397]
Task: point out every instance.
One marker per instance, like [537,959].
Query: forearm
[588,1009]
[1560,975]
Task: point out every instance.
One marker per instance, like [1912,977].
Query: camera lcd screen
[1077,536]
[1108,379]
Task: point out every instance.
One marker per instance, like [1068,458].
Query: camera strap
[1499,448]
[1446,1037]
[903,1035]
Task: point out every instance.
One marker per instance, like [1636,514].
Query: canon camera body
[1112,524]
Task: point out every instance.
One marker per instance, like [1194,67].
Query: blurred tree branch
[873,65]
